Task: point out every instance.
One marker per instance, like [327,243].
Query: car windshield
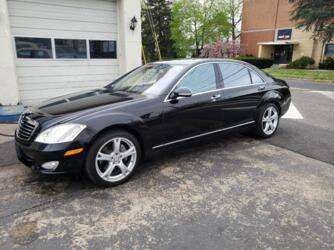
[143,78]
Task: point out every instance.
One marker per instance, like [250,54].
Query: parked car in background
[33,53]
[105,133]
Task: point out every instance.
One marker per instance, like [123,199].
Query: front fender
[100,122]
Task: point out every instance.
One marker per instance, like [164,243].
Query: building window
[329,50]
[102,49]
[70,48]
[28,47]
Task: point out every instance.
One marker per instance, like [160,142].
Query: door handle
[215,97]
[261,87]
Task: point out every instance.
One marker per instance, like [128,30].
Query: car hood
[81,103]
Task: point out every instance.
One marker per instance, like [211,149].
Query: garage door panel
[72,34]
[65,15]
[63,85]
[30,81]
[52,24]
[59,71]
[65,63]
[82,4]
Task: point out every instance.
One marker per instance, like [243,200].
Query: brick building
[267,31]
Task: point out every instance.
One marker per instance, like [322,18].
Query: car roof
[193,61]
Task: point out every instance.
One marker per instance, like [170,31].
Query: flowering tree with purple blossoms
[221,49]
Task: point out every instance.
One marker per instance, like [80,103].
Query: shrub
[261,63]
[328,63]
[301,63]
[221,49]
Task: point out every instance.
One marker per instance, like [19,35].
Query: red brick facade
[260,19]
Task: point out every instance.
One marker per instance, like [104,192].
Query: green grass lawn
[318,75]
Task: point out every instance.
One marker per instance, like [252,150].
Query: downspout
[275,24]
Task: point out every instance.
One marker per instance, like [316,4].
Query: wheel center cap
[116,159]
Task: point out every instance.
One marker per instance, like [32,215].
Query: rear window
[256,79]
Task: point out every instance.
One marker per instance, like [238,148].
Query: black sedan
[105,133]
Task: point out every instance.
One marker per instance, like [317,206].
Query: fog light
[50,165]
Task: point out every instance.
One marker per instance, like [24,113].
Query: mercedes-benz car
[105,133]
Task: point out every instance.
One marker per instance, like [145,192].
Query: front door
[283,54]
[191,116]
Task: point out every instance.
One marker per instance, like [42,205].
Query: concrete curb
[309,80]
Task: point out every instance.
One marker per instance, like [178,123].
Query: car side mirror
[181,92]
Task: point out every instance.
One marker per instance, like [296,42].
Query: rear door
[243,89]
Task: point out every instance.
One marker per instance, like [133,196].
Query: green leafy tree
[156,17]
[196,23]
[234,9]
[316,16]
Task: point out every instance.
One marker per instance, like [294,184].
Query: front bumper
[34,155]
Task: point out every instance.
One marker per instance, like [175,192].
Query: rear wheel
[113,158]
[268,121]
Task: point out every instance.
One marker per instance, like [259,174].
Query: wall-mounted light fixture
[133,23]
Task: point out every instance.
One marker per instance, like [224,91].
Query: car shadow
[57,184]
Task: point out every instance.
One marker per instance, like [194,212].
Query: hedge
[328,63]
[301,63]
[261,63]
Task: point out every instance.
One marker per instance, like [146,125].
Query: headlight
[60,133]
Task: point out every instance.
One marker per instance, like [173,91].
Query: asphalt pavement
[312,133]
[230,192]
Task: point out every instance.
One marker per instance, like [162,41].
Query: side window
[255,77]
[234,75]
[200,79]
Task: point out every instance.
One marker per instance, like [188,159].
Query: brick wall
[249,40]
[259,22]
[284,14]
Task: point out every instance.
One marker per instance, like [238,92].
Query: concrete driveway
[228,192]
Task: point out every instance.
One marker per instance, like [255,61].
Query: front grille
[26,129]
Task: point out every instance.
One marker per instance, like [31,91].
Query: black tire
[259,130]
[90,168]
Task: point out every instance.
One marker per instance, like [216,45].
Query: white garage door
[63,46]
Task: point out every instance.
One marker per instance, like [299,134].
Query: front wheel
[268,121]
[113,158]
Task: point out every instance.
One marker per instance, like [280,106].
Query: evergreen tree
[159,12]
[316,16]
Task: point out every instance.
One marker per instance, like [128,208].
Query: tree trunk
[322,51]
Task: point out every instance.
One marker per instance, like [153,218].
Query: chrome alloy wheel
[270,120]
[116,159]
